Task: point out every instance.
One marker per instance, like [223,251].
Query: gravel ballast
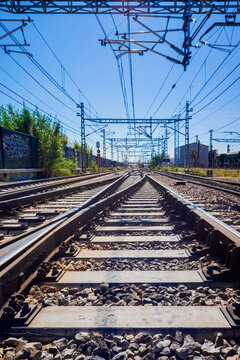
[133,295]
[143,346]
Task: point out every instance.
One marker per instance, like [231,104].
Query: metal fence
[77,156]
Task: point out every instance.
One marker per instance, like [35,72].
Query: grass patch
[203,172]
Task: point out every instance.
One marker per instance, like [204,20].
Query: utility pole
[104,143]
[151,134]
[166,143]
[187,36]
[187,152]
[162,145]
[83,139]
[211,149]
[159,142]
[111,149]
[176,142]
[126,157]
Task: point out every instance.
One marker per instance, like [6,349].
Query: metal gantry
[129,7]
[9,47]
[148,143]
[132,121]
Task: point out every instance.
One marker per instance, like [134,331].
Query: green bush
[50,134]
[93,166]
[78,146]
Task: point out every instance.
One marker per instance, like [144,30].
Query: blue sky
[74,39]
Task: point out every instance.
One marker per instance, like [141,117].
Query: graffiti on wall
[16,147]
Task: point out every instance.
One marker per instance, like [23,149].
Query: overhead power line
[43,87]
[158,92]
[194,78]
[216,71]
[35,106]
[219,84]
[36,97]
[65,70]
[131,70]
[217,97]
[120,68]
[44,71]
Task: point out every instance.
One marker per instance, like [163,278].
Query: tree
[78,146]
[155,161]
[50,135]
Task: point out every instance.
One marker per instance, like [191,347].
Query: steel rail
[20,244]
[42,187]
[61,216]
[227,230]
[7,206]
[178,177]
[39,181]
[17,269]
[206,178]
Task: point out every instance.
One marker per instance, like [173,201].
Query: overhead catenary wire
[38,65]
[121,72]
[158,92]
[221,107]
[165,79]
[43,87]
[43,70]
[219,84]
[216,71]
[120,69]
[220,128]
[218,96]
[35,106]
[169,92]
[64,68]
[36,97]
[195,77]
[131,70]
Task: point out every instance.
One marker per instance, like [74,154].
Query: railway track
[24,188]
[142,273]
[26,214]
[222,204]
[229,187]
